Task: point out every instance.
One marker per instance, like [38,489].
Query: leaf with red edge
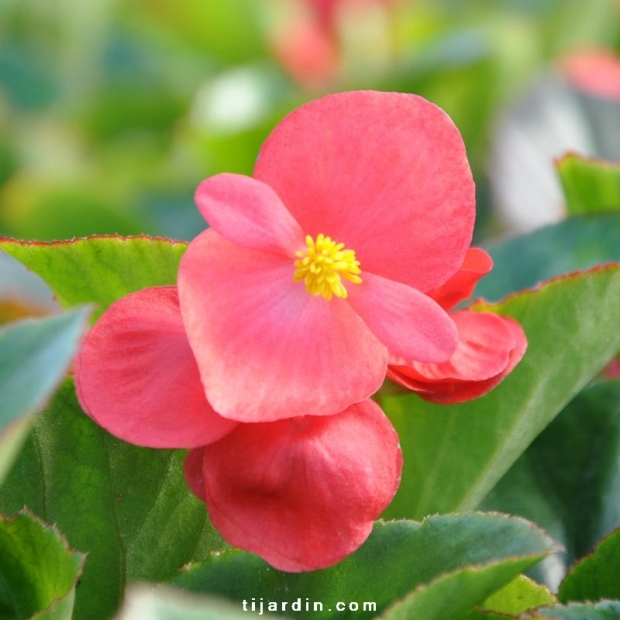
[605,610]
[597,576]
[99,269]
[453,455]
[38,571]
[590,185]
[444,566]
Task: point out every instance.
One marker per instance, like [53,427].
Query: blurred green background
[112,112]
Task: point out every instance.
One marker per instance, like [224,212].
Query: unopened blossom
[489,347]
[316,270]
[301,492]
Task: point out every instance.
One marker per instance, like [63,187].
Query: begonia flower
[316,270]
[136,375]
[302,492]
[489,347]
[312,484]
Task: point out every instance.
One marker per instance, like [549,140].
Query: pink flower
[489,346]
[303,492]
[596,72]
[314,273]
[316,270]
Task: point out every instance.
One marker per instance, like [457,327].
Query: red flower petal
[411,325]
[490,346]
[267,349]
[249,213]
[192,469]
[384,173]
[303,493]
[137,378]
[461,285]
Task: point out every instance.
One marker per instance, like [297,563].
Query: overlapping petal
[192,470]
[460,285]
[303,492]
[249,213]
[266,349]
[384,173]
[410,324]
[489,348]
[136,375]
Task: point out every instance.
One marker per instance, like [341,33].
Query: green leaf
[34,356]
[567,481]
[453,455]
[590,185]
[574,244]
[521,594]
[596,576]
[99,269]
[605,610]
[127,507]
[451,596]
[11,441]
[439,558]
[145,603]
[38,572]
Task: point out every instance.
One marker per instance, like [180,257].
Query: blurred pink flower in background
[573,107]
[309,43]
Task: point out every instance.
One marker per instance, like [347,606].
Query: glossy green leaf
[128,508]
[99,269]
[34,356]
[454,455]
[145,603]
[438,558]
[590,186]
[574,244]
[38,572]
[568,479]
[597,576]
[605,610]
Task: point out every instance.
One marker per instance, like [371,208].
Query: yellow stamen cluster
[323,264]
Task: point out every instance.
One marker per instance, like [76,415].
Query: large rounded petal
[249,213]
[266,349]
[489,348]
[136,375]
[410,324]
[384,173]
[303,493]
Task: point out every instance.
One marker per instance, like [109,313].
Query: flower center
[323,264]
